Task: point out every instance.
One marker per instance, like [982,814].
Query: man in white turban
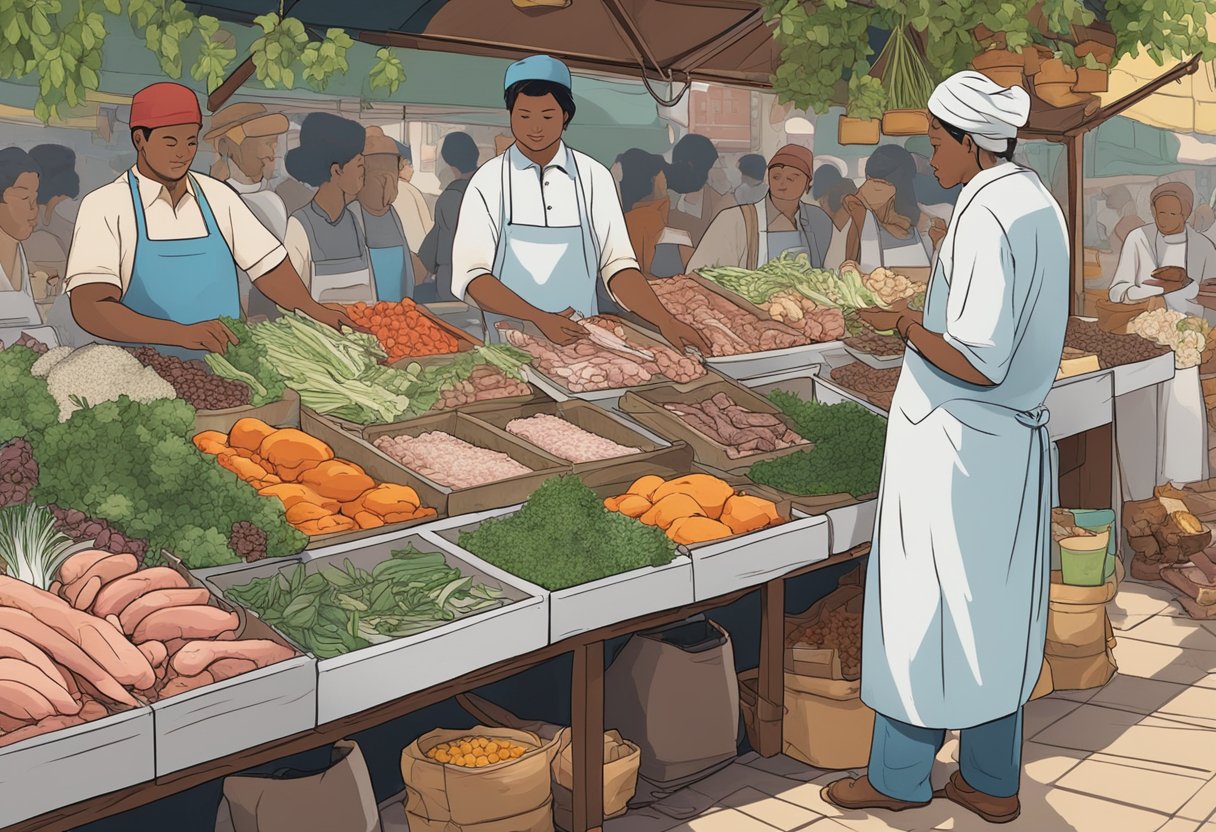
[956,595]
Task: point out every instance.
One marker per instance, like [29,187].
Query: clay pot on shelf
[905,122]
[1001,65]
[858,130]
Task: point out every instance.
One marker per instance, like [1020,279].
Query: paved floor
[1138,755]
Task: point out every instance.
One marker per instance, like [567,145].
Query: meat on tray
[605,359]
[872,343]
[451,462]
[875,386]
[743,432]
[1113,350]
[730,329]
[566,440]
[485,383]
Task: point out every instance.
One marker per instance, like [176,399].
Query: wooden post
[1076,220]
[771,694]
[220,95]
[587,737]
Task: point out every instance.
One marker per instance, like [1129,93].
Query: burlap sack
[515,796]
[1082,673]
[826,723]
[675,694]
[340,797]
[620,777]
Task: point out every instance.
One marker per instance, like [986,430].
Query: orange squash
[390,498]
[671,508]
[249,434]
[367,520]
[748,514]
[343,481]
[211,442]
[330,524]
[709,492]
[246,469]
[293,452]
[646,486]
[306,512]
[290,493]
[690,531]
[631,505]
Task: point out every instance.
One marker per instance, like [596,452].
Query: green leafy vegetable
[246,361]
[31,545]
[844,289]
[334,611]
[563,536]
[26,406]
[847,457]
[867,98]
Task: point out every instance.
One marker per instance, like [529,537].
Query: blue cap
[538,68]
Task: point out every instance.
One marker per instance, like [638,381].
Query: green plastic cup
[1098,520]
[1083,560]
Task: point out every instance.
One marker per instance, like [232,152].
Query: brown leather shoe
[853,794]
[991,809]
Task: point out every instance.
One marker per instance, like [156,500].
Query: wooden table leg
[770,705]
[587,729]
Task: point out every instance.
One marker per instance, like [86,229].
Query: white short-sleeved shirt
[540,198]
[103,244]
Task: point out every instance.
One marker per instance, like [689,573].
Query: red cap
[164,105]
[793,156]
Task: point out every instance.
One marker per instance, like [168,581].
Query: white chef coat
[956,596]
[103,244]
[547,199]
[1146,249]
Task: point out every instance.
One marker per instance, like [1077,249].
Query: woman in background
[694,201]
[58,187]
[645,203]
[324,240]
[886,211]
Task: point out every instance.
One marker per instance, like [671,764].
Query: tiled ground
[1136,756]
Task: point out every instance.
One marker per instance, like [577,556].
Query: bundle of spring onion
[343,374]
[844,289]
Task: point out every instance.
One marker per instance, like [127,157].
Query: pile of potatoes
[476,752]
[322,495]
[694,509]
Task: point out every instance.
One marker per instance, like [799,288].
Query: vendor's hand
[211,336]
[1170,278]
[937,231]
[558,327]
[882,320]
[683,337]
[334,315]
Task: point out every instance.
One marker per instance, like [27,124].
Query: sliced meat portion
[196,656]
[13,646]
[16,670]
[114,597]
[65,652]
[186,622]
[21,701]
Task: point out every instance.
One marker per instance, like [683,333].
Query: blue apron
[186,281]
[550,268]
[392,268]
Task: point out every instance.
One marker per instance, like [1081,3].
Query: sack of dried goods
[674,692]
[452,785]
[337,797]
[1077,646]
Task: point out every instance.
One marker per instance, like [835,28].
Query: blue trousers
[901,757]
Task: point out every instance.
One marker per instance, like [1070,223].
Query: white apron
[18,311]
[1182,431]
[881,248]
[341,263]
[956,591]
[773,244]
[551,268]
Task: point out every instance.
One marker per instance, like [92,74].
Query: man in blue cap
[542,224]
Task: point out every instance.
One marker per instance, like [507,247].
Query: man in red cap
[748,236]
[155,253]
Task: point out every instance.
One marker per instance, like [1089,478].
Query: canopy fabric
[1185,106]
[723,41]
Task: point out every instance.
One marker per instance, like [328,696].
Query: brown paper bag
[678,701]
[515,796]
[826,723]
[620,777]
[340,797]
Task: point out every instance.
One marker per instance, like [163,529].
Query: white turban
[977,105]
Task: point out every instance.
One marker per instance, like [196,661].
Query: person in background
[58,187]
[694,202]
[1121,218]
[751,235]
[410,204]
[387,240]
[720,181]
[1203,219]
[542,226]
[754,188]
[956,596]
[19,183]
[324,240]
[246,140]
[886,212]
[155,254]
[460,153]
[645,202]
[832,203]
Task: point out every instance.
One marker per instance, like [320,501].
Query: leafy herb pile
[26,406]
[334,611]
[849,443]
[563,536]
[132,465]
[826,288]
[245,361]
